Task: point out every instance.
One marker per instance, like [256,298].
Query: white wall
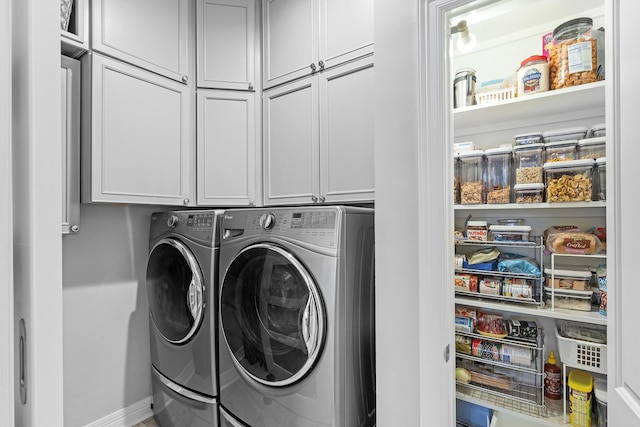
[106,341]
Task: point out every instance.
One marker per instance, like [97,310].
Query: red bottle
[552,378]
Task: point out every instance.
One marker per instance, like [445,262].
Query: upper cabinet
[74,27]
[301,37]
[137,135]
[150,34]
[226,44]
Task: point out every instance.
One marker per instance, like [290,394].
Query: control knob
[267,221]
[172,221]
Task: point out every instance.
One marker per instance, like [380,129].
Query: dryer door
[175,290]
[272,315]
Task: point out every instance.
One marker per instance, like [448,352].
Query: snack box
[568,278]
[569,299]
[509,233]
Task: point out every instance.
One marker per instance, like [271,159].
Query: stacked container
[601,167]
[499,162]
[456,179]
[569,181]
[560,151]
[472,184]
[592,148]
[528,163]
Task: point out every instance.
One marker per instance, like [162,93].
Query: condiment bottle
[552,378]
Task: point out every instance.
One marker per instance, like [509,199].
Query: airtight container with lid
[528,163]
[509,233]
[592,148]
[577,54]
[568,278]
[600,392]
[580,393]
[498,175]
[576,133]
[456,179]
[560,151]
[570,181]
[601,188]
[533,75]
[472,185]
[529,193]
[528,138]
[598,130]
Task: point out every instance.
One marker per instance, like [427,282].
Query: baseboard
[127,417]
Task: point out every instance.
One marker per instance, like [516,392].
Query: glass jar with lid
[576,55]
[499,162]
[601,187]
[592,148]
[528,163]
[560,150]
[456,179]
[472,185]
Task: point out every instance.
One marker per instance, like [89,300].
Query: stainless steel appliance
[182,274]
[296,336]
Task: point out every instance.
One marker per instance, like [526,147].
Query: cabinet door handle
[185,79]
[314,199]
[250,86]
[322,199]
[313,67]
[185,201]
[321,65]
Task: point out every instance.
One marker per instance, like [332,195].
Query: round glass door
[272,315]
[175,290]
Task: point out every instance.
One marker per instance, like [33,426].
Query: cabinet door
[225,40]
[152,34]
[226,157]
[75,39]
[290,44]
[140,139]
[346,30]
[70,116]
[346,132]
[291,138]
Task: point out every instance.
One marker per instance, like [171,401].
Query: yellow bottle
[580,391]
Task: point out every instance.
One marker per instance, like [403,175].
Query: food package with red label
[466,282]
[571,240]
[492,324]
[490,286]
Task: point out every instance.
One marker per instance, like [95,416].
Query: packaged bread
[574,242]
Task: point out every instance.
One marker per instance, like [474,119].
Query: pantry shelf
[532,206]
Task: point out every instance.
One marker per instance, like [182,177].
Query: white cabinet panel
[225,40]
[290,44]
[70,126]
[346,132]
[227,144]
[140,145]
[152,34]
[75,40]
[291,138]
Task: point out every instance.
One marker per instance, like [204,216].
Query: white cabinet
[70,139]
[75,38]
[304,36]
[226,44]
[227,148]
[318,137]
[151,34]
[137,136]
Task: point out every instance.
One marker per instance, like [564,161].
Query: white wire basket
[66,7]
[495,96]
[585,355]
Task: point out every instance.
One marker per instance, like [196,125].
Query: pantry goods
[533,75]
[580,395]
[569,181]
[471,177]
[498,175]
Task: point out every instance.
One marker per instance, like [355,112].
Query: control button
[172,221]
[267,221]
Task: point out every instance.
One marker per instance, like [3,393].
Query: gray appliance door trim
[181,390]
[311,320]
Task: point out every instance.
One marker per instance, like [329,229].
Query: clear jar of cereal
[560,151]
[528,163]
[570,181]
[592,148]
[576,55]
[529,193]
[456,179]
[472,185]
[498,175]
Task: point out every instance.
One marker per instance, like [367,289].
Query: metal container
[464,88]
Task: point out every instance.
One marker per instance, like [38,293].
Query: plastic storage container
[576,133]
[529,193]
[472,185]
[570,181]
[456,179]
[560,151]
[577,54]
[601,167]
[587,355]
[600,392]
[580,394]
[533,75]
[509,233]
[568,278]
[499,162]
[528,161]
[464,88]
[569,299]
[598,130]
[528,138]
[592,148]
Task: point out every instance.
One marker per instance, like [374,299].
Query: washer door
[272,315]
[175,290]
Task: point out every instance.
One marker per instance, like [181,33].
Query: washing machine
[182,290]
[296,327]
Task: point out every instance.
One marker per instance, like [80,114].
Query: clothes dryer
[296,328]
[182,279]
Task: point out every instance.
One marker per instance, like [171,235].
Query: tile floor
[149,422]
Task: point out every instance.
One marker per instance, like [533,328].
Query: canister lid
[566,142]
[592,141]
[476,223]
[572,29]
[529,186]
[568,272]
[471,153]
[569,292]
[598,126]
[582,163]
[465,71]
[533,58]
[600,389]
[498,150]
[563,134]
[580,380]
[538,146]
[511,228]
[528,138]
[601,161]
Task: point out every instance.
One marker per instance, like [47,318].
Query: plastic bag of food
[483,255]
[576,242]
[514,263]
